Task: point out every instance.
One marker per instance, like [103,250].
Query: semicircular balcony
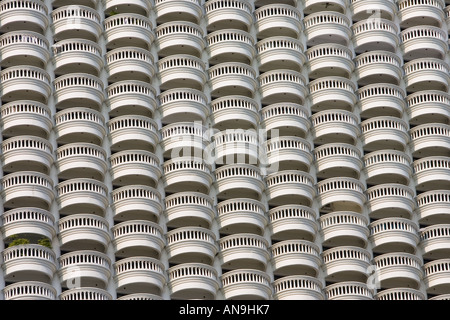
[427,74]
[335,126]
[381,99]
[420,12]
[29,290]
[193,281]
[378,66]
[135,167]
[429,106]
[285,119]
[327,27]
[25,83]
[191,245]
[282,85]
[128,29]
[230,45]
[246,284]
[348,290]
[236,146]
[26,153]
[396,294]
[297,287]
[229,13]
[181,71]
[243,250]
[432,207]
[183,139]
[234,112]
[364,9]
[390,200]
[232,78]
[87,268]
[30,187]
[287,153]
[299,257]
[60,3]
[239,180]
[398,269]
[341,194]
[332,92]
[384,132]
[346,263]
[278,20]
[139,274]
[434,241]
[344,228]
[432,173]
[289,222]
[79,125]
[28,220]
[313,6]
[31,15]
[24,48]
[142,7]
[140,296]
[170,10]
[375,34]
[83,232]
[137,238]
[437,276]
[183,104]
[129,63]
[189,209]
[334,159]
[430,139]
[280,52]
[187,174]
[241,215]
[76,294]
[424,41]
[329,60]
[136,202]
[179,37]
[387,166]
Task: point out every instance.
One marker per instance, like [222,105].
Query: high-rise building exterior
[225,149]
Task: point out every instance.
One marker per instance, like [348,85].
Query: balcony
[287,153]
[191,245]
[313,6]
[420,12]
[346,263]
[83,232]
[341,194]
[129,63]
[181,71]
[136,202]
[183,104]
[444,296]
[230,45]
[243,250]
[22,153]
[277,20]
[187,174]
[435,241]
[290,187]
[364,9]
[32,188]
[381,99]
[430,139]
[230,13]
[384,132]
[427,74]
[375,34]
[140,296]
[25,83]
[77,294]
[82,55]
[138,238]
[429,106]
[241,215]
[183,139]
[234,112]
[232,78]
[387,166]
[142,7]
[397,294]
[128,29]
[134,167]
[390,200]
[76,22]
[292,221]
[280,52]
[337,159]
[236,146]
[378,67]
[332,93]
[29,290]
[437,276]
[348,290]
[139,274]
[282,85]
[29,15]
[189,209]
[170,10]
[432,173]
[297,288]
[329,60]
[432,207]
[327,27]
[246,284]
[344,228]
[424,42]
[285,119]
[299,257]
[179,37]
[193,281]
[24,48]
[239,180]
[335,126]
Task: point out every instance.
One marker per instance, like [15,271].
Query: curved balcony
[298,257]
[140,296]
[193,281]
[344,228]
[398,269]
[183,104]
[437,276]
[234,112]
[297,288]
[292,221]
[137,274]
[28,221]
[290,187]
[74,89]
[375,34]
[142,7]
[189,209]
[387,166]
[29,15]
[435,241]
[136,202]
[282,85]
[364,9]
[236,146]
[181,71]
[378,67]
[83,232]
[444,296]
[335,126]
[79,125]
[346,263]
[329,60]
[229,13]
[232,78]
[341,194]
[137,238]
[170,10]
[134,95]
[128,29]
[246,284]
[287,153]
[348,290]
[390,200]
[430,139]
[183,139]
[82,55]
[230,45]
[179,37]
[285,119]
[24,48]
[384,132]
[279,52]
[432,173]
[133,132]
[337,159]
[76,21]
[432,207]
[240,215]
[381,99]
[239,180]
[26,153]
[191,245]
[332,93]
[29,290]
[187,174]
[327,27]
[81,160]
[313,6]
[25,82]
[94,294]
[424,42]
[427,74]
[30,187]
[129,63]
[428,106]
[243,250]
[85,267]
[277,20]
[420,12]
[400,294]
[134,167]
